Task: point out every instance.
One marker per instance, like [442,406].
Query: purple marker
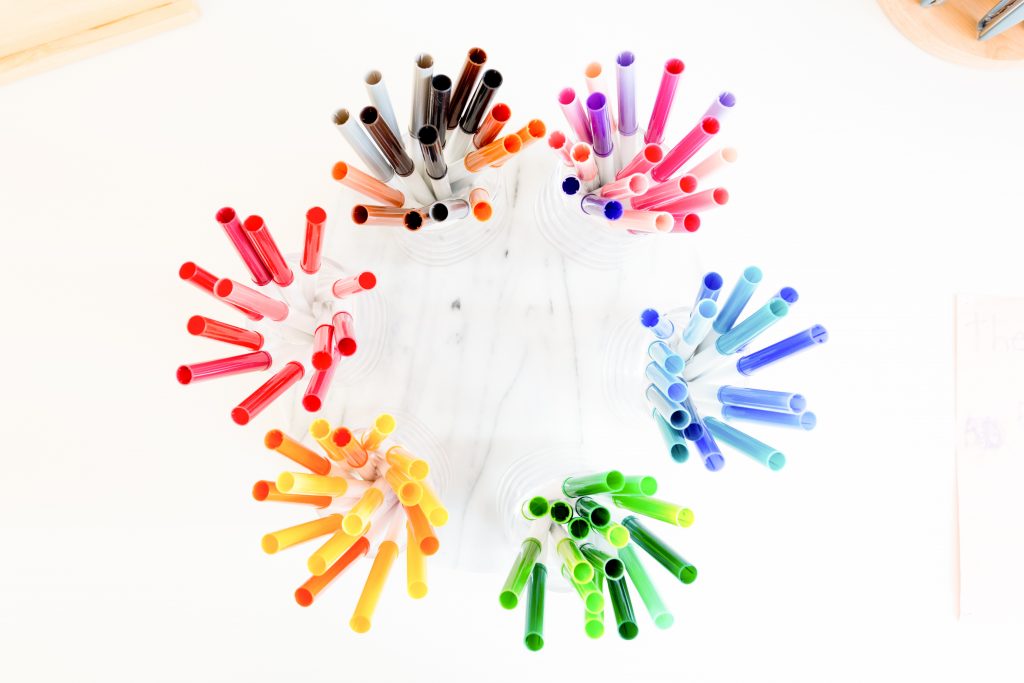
[629,141]
[601,131]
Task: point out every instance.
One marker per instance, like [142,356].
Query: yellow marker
[412,466]
[277,440]
[327,554]
[320,430]
[382,428]
[409,492]
[285,538]
[361,618]
[359,516]
[415,567]
[432,507]
[299,482]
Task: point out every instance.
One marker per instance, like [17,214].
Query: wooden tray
[950,31]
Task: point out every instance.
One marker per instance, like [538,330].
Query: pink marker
[258,233]
[663,102]
[354,284]
[665,193]
[222,367]
[700,201]
[685,149]
[258,400]
[714,163]
[645,221]
[228,220]
[649,157]
[205,280]
[344,333]
[630,186]
[686,222]
[573,110]
[249,299]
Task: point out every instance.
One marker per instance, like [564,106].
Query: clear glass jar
[588,240]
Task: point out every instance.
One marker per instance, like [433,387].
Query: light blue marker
[673,439]
[673,413]
[738,298]
[660,325]
[746,444]
[762,399]
[806,420]
[759,321]
[748,365]
[668,384]
[661,354]
[697,327]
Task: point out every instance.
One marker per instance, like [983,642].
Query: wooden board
[40,34]
[950,31]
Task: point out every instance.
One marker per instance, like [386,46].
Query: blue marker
[731,341]
[668,384]
[676,415]
[571,185]
[748,365]
[673,439]
[708,448]
[789,295]
[710,287]
[746,444]
[762,399]
[661,354]
[660,325]
[806,420]
[596,205]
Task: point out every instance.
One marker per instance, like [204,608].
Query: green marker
[534,637]
[579,528]
[609,566]
[589,484]
[582,571]
[656,509]
[593,600]
[519,574]
[536,507]
[639,485]
[560,511]
[616,535]
[656,548]
[645,587]
[595,513]
[623,606]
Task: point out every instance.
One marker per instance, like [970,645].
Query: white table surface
[872,177]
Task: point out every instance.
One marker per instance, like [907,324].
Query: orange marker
[267,490]
[413,467]
[528,134]
[305,593]
[367,185]
[436,513]
[327,554]
[292,449]
[480,201]
[421,530]
[409,492]
[320,430]
[355,455]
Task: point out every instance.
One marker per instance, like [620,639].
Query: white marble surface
[872,178]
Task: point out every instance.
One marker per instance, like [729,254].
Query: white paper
[990,456]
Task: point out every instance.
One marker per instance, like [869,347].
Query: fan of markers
[321,322]
[367,491]
[686,355]
[595,550]
[622,174]
[448,169]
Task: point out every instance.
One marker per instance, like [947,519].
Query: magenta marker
[663,102]
[573,111]
[685,149]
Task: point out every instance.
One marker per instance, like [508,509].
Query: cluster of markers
[623,174]
[369,491]
[683,355]
[593,549]
[448,170]
[321,321]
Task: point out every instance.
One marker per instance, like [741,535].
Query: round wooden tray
[950,31]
